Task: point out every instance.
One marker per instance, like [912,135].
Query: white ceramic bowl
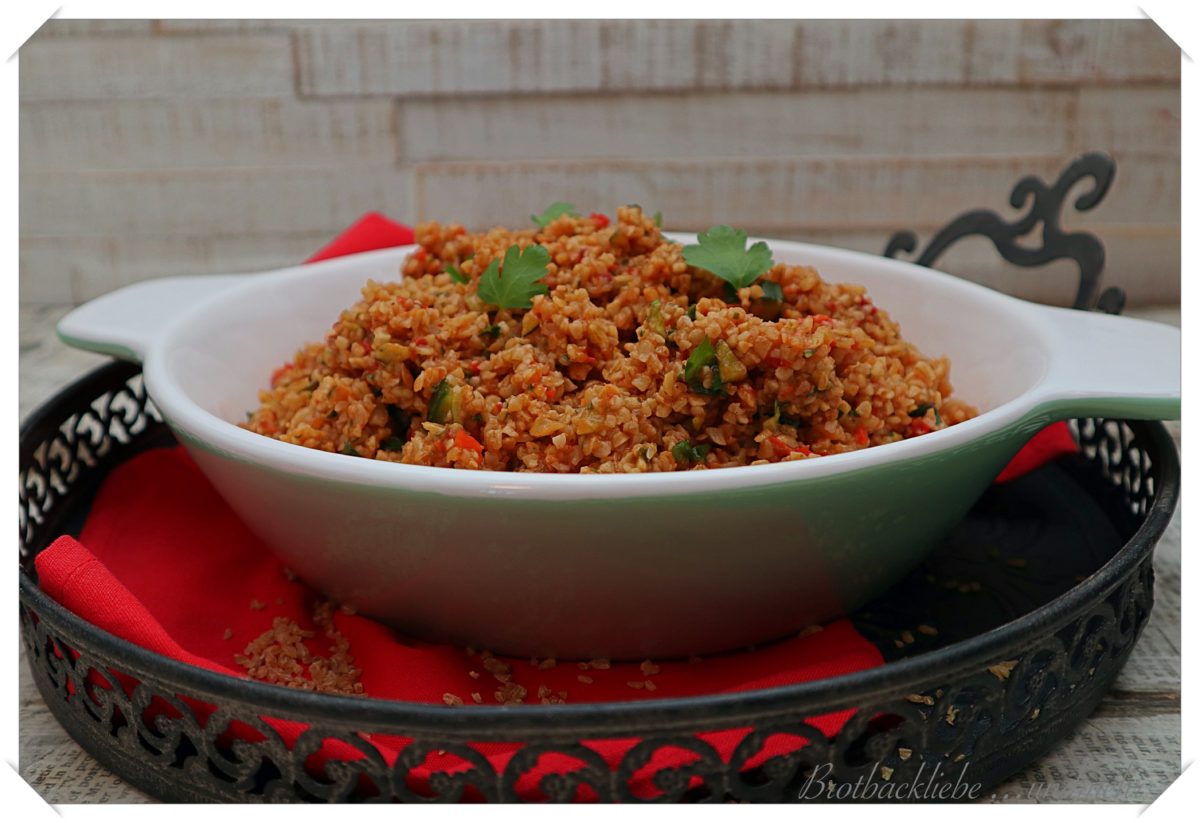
[618,565]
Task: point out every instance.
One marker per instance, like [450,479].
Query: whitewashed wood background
[152,148]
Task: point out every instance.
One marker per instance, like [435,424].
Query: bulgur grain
[594,375]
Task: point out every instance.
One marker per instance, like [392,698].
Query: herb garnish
[392,444]
[722,251]
[553,212]
[349,450]
[492,331]
[456,275]
[703,356]
[658,219]
[513,285]
[685,452]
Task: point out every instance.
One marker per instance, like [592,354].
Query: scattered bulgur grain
[257,604]
[927,630]
[635,684]
[228,635]
[583,666]
[648,668]
[280,655]
[477,697]
[452,699]
[346,608]
[1034,714]
[951,715]
[510,693]
[583,678]
[650,686]
[920,698]
[1003,669]
[885,772]
[474,675]
[600,663]
[548,663]
[899,643]
[904,752]
[907,636]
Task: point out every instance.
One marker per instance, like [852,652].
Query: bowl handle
[1110,366]
[126,323]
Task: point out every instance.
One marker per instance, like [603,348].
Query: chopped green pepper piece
[655,321]
[730,367]
[440,404]
[693,372]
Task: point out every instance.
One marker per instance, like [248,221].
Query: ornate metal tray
[1024,652]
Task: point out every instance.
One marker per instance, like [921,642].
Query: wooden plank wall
[152,148]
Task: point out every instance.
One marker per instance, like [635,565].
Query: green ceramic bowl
[629,566]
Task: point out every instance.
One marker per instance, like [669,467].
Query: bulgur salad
[584,344]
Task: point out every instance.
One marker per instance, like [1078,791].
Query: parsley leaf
[658,219]
[519,283]
[553,212]
[685,452]
[456,275]
[923,409]
[772,290]
[722,251]
[693,372]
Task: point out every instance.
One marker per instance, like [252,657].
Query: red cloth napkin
[164,563]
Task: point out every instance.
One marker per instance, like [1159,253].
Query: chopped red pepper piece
[822,320]
[919,426]
[861,437]
[466,441]
[278,373]
[781,446]
[600,220]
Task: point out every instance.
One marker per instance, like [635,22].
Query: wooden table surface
[1128,751]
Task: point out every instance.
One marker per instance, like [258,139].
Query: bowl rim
[202,429]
